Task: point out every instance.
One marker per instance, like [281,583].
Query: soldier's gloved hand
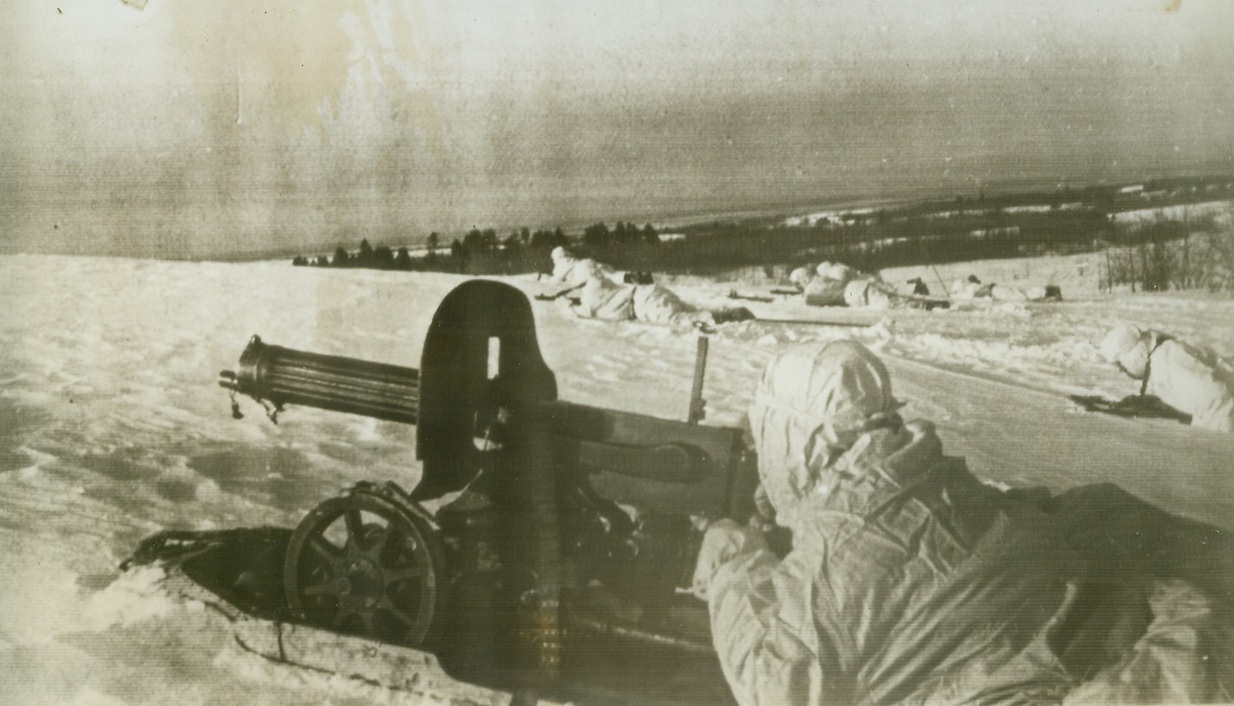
[764,518]
[723,541]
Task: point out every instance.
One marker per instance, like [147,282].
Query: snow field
[112,428]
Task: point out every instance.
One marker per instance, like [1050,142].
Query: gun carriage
[554,522]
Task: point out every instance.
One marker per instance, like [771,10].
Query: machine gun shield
[455,387]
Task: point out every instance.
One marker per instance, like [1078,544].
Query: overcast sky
[188,128]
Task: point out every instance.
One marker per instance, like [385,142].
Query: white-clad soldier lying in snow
[973,288]
[837,284]
[824,284]
[571,273]
[911,582]
[1189,380]
[601,298]
[871,292]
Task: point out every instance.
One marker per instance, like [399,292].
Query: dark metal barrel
[287,376]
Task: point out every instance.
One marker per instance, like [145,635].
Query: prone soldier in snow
[1190,380]
[571,273]
[601,298]
[910,581]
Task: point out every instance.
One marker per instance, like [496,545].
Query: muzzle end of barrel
[229,380]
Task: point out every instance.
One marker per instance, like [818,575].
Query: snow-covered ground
[1181,212]
[1174,213]
[112,427]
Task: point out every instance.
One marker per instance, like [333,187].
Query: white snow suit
[573,272]
[1004,293]
[658,305]
[909,581]
[965,288]
[601,298]
[801,276]
[827,288]
[870,294]
[1191,380]
[604,299]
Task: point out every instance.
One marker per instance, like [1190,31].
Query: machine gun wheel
[368,563]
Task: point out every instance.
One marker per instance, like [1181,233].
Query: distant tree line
[598,235]
[483,251]
[1164,254]
[378,258]
[946,230]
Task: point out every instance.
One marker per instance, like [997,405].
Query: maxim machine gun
[558,526]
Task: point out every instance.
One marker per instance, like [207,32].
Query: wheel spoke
[373,577]
[387,538]
[398,613]
[355,527]
[329,588]
[324,549]
[403,573]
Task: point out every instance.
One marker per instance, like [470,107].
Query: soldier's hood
[824,420]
